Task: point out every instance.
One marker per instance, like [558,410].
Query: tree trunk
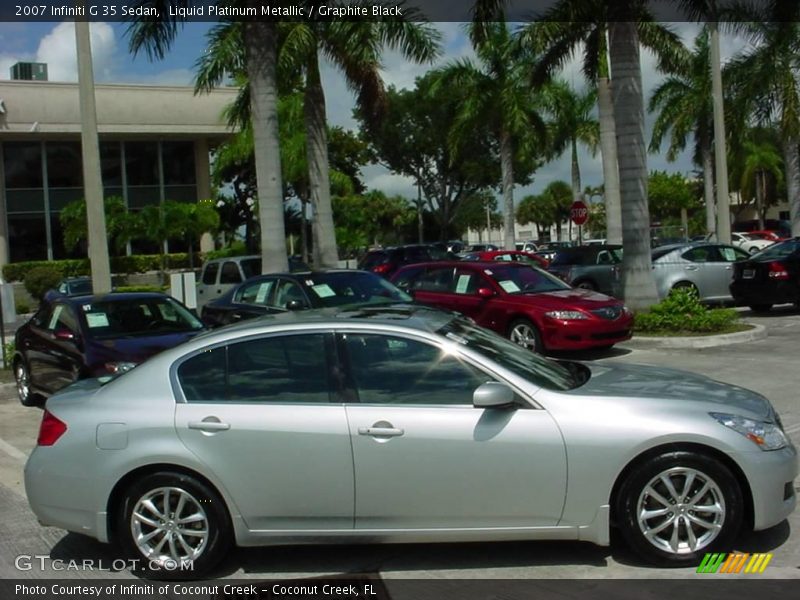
[304,228]
[639,288]
[261,47]
[507,171]
[608,148]
[760,180]
[325,253]
[708,187]
[791,161]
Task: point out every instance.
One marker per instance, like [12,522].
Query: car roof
[301,274]
[111,296]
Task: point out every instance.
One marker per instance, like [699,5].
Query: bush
[22,307]
[138,263]
[40,279]
[11,347]
[237,248]
[682,312]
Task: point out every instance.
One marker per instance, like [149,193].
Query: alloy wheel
[23,383]
[524,335]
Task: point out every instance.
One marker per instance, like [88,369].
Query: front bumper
[771,477]
[585,334]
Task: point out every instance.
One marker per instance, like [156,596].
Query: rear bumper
[746,292]
[583,335]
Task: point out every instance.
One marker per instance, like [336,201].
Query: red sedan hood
[575,298]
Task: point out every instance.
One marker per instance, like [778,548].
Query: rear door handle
[215,425]
[381,431]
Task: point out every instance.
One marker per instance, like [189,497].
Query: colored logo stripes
[734,563]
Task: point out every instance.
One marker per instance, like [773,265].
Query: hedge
[138,263]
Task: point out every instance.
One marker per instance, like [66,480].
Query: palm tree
[260,43]
[572,25]
[685,108]
[767,77]
[355,48]
[496,91]
[573,123]
[762,164]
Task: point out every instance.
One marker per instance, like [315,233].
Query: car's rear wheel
[524,333]
[678,506]
[761,308]
[174,525]
[754,249]
[23,378]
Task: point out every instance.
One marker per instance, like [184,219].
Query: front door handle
[380,431]
[236,316]
[209,424]
[691,268]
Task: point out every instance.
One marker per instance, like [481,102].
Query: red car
[529,306]
[772,236]
[526,258]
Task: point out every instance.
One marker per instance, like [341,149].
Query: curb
[758,332]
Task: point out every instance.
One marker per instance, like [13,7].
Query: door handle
[691,268]
[728,268]
[236,316]
[381,431]
[209,425]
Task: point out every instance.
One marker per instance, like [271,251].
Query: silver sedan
[400,424]
[705,268]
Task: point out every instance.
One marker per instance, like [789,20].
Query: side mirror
[485,292]
[493,394]
[295,305]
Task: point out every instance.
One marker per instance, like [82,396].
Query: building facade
[154,146]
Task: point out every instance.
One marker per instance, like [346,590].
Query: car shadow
[782,310]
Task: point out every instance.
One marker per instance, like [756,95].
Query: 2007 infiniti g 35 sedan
[399,424]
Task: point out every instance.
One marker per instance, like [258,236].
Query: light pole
[720,151]
[90,151]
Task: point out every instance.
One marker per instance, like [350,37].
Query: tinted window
[466,281]
[251,267]
[137,317]
[373,259]
[416,254]
[700,254]
[406,277]
[285,369]
[287,292]
[202,377]
[394,370]
[780,250]
[349,287]
[210,273]
[60,318]
[435,280]
[255,293]
[519,279]
[230,273]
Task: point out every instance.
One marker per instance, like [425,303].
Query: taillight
[381,269]
[50,430]
[777,270]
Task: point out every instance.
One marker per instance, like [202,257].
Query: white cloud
[57,49]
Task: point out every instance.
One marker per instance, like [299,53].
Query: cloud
[57,49]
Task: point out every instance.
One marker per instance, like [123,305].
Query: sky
[54,44]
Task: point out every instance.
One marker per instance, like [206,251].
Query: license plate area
[748,273]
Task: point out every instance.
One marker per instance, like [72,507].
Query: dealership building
[154,146]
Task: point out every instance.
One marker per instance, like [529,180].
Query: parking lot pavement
[769,366]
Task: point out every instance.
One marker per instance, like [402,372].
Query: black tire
[686,285]
[679,468]
[22,377]
[199,499]
[521,330]
[586,284]
[761,308]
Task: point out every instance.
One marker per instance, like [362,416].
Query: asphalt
[769,366]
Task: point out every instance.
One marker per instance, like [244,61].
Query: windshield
[521,279]
[339,288]
[779,250]
[80,287]
[532,367]
[112,318]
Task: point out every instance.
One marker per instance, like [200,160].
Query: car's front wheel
[678,506]
[174,526]
[23,379]
[524,333]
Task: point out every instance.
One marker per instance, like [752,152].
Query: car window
[338,288]
[604,258]
[699,255]
[251,267]
[416,254]
[255,293]
[732,254]
[126,317]
[203,377]
[210,273]
[519,279]
[60,318]
[466,281]
[373,259]
[230,273]
[405,278]
[287,291]
[780,250]
[506,257]
[435,280]
[280,369]
[394,370]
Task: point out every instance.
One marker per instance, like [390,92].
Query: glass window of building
[23,164]
[64,165]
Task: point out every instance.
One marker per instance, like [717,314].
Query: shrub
[22,307]
[137,263]
[40,279]
[11,347]
[236,248]
[682,312]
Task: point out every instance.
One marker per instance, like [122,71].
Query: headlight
[118,368]
[626,311]
[566,315]
[767,436]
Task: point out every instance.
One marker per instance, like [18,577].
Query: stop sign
[579,212]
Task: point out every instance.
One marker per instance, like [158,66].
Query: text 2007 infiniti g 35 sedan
[399,424]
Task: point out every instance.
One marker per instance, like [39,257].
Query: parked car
[529,246]
[525,304]
[398,425]
[590,267]
[221,274]
[556,245]
[508,256]
[71,338]
[595,242]
[769,235]
[705,268]
[278,293]
[749,242]
[479,248]
[387,260]
[770,277]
